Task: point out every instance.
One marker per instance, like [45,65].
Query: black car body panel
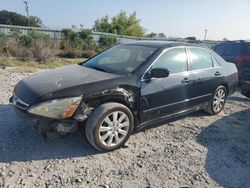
[148,100]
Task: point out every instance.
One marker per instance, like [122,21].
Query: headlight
[57,108]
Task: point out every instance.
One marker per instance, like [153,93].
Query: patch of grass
[31,65]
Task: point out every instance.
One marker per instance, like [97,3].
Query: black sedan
[124,89]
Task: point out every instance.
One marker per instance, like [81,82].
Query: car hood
[67,81]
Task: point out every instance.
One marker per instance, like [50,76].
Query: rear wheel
[218,101]
[109,126]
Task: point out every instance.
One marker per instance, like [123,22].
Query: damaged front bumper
[44,125]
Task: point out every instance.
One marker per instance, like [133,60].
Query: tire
[109,126]
[218,101]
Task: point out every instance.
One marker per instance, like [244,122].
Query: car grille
[19,103]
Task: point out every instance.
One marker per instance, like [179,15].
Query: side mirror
[159,73]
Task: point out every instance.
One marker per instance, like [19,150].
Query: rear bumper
[43,125]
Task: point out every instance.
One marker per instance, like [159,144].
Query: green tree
[102,25]
[161,35]
[13,18]
[121,24]
[35,21]
[151,35]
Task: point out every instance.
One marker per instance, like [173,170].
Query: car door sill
[174,115]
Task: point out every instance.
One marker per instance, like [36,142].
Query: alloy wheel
[219,100]
[114,129]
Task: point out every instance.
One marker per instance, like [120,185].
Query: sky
[176,18]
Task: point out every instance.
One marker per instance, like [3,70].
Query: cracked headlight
[57,108]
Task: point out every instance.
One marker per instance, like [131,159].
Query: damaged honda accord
[124,89]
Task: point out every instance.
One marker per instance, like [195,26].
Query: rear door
[206,72]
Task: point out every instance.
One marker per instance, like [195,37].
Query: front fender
[125,96]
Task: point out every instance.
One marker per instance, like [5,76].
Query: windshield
[122,59]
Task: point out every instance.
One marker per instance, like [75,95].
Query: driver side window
[175,60]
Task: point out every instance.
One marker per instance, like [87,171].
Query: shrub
[70,54]
[88,53]
[77,54]
[25,40]
[3,44]
[43,48]
[107,41]
[15,50]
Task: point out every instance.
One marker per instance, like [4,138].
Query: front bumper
[45,125]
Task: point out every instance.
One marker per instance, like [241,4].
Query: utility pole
[205,37]
[27,11]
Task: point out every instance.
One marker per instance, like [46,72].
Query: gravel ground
[195,151]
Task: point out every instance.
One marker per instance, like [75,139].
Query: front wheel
[218,101]
[109,126]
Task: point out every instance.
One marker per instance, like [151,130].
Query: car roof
[161,44]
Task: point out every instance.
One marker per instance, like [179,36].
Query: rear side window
[175,60]
[200,58]
[215,62]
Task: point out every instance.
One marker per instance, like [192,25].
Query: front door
[164,96]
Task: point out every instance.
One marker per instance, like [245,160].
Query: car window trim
[213,57]
[164,51]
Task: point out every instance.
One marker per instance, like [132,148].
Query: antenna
[27,10]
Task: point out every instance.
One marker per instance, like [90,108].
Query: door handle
[185,80]
[217,73]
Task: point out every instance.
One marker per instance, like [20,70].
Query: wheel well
[226,86]
[117,101]
[131,108]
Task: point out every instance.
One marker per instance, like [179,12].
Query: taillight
[242,58]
